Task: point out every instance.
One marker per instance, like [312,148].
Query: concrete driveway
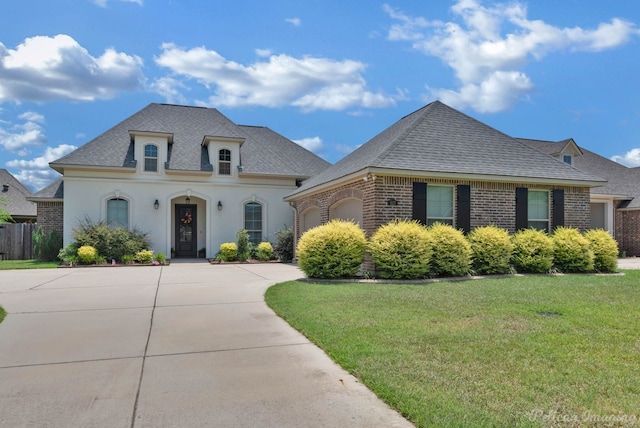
[185,345]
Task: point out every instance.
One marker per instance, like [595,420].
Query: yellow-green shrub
[451,251]
[144,256]
[605,250]
[491,250]
[87,254]
[401,249]
[571,251]
[228,251]
[265,251]
[532,251]
[333,250]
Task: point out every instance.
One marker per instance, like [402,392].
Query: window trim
[128,211]
[446,220]
[156,158]
[229,162]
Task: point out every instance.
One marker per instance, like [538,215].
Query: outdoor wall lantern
[188,200]
[156,204]
[392,201]
[219,205]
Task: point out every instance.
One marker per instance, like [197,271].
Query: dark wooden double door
[186,240]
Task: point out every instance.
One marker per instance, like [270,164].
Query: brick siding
[50,216]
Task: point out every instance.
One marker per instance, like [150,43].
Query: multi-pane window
[253,221]
[439,204]
[224,162]
[538,209]
[118,213]
[567,159]
[151,158]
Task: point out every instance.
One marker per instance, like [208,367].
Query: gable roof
[17,195]
[187,128]
[622,182]
[54,190]
[439,140]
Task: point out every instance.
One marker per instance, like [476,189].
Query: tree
[5,217]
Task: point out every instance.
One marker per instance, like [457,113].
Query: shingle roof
[263,151]
[621,180]
[17,195]
[439,139]
[54,190]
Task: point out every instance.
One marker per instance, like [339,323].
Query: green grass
[3,314]
[523,351]
[27,264]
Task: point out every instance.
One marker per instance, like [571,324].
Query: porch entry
[186,241]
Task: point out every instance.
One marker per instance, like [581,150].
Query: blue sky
[329,74]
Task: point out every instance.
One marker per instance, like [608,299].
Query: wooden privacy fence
[16,242]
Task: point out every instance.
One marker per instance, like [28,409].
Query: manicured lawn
[27,264]
[524,351]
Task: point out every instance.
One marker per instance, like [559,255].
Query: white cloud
[58,68]
[103,3]
[36,173]
[18,137]
[169,89]
[263,52]
[313,144]
[310,83]
[630,159]
[487,48]
[296,22]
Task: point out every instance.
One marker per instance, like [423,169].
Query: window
[118,213]
[439,205]
[567,159]
[224,162]
[253,221]
[538,209]
[151,158]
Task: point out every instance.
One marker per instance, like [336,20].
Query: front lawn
[522,351]
[27,264]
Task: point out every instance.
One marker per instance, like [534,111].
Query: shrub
[605,250]
[491,250]
[532,251]
[46,247]
[69,254]
[451,251]
[284,244]
[160,258]
[265,251]
[128,259]
[228,251]
[571,251]
[111,242]
[401,249]
[333,250]
[144,256]
[244,250]
[87,254]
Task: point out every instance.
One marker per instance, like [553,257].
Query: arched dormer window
[151,158]
[224,162]
[118,213]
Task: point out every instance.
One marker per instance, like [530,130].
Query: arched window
[151,158]
[118,213]
[253,221]
[224,162]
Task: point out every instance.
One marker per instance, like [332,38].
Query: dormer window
[568,159]
[224,162]
[151,158]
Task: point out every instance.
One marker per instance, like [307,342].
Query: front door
[186,231]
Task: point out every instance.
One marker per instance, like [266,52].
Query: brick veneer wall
[627,231]
[50,216]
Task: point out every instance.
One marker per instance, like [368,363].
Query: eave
[60,167]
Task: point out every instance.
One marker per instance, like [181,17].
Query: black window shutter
[463,213]
[420,202]
[558,208]
[522,204]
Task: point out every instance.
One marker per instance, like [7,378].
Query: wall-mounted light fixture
[188,200]
[369,177]
[219,205]
[392,201]
[156,204]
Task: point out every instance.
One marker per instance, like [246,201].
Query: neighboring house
[440,165]
[188,176]
[615,206]
[19,207]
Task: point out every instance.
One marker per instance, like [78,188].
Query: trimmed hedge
[228,251]
[532,251]
[401,249]
[571,251]
[491,250]
[333,250]
[451,251]
[605,250]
